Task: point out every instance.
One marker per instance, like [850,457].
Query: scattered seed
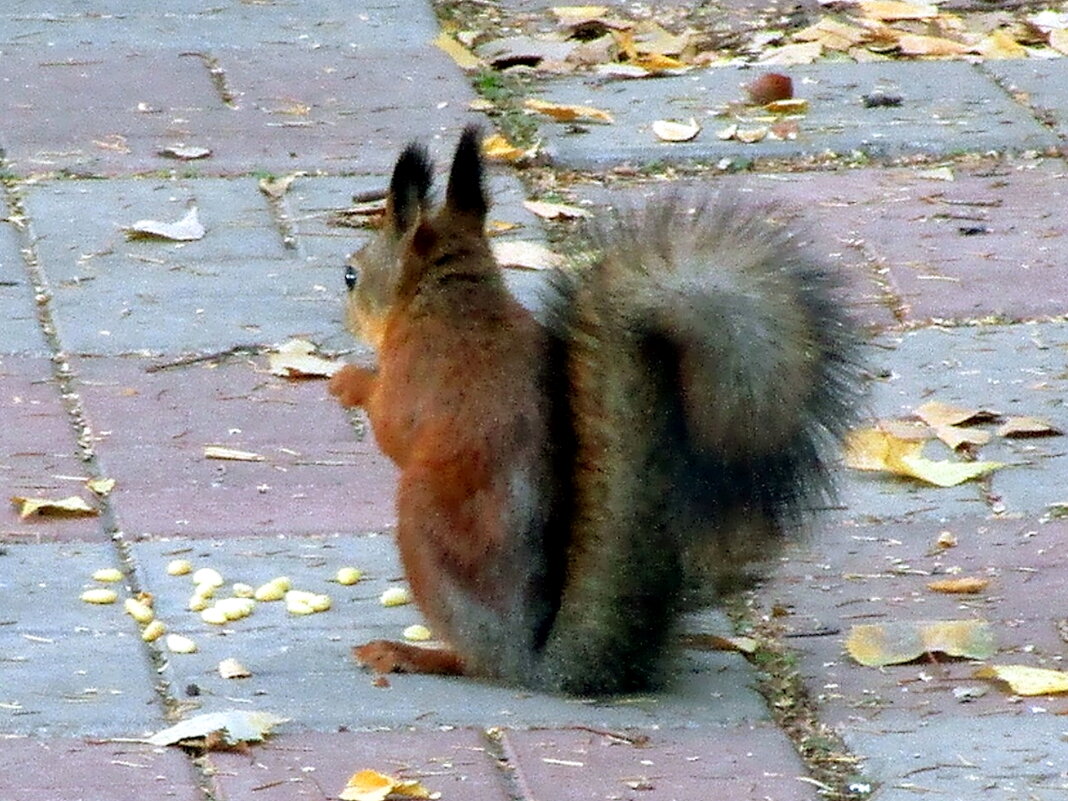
[179,567]
[214,615]
[208,576]
[138,610]
[100,596]
[153,631]
[417,633]
[108,574]
[395,596]
[243,590]
[348,575]
[178,644]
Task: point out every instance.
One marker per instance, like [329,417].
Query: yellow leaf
[496,148]
[833,35]
[876,450]
[962,585]
[1025,680]
[875,645]
[566,113]
[801,53]
[655,62]
[887,10]
[936,413]
[671,131]
[464,58]
[1058,40]
[794,105]
[1028,427]
[231,454]
[46,507]
[370,785]
[954,437]
[101,486]
[572,14]
[915,44]
[1000,44]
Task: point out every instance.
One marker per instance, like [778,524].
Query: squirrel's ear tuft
[409,186]
[465,193]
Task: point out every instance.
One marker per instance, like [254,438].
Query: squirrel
[563,477]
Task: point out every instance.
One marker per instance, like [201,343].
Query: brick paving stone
[316,477]
[32,770]
[316,767]
[977,116]
[38,453]
[22,333]
[70,668]
[726,762]
[308,674]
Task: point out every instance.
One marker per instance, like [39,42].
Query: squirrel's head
[414,243]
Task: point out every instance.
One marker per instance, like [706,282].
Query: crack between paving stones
[511,780]
[217,75]
[1042,116]
[66,379]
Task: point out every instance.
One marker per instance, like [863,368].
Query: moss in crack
[829,762]
[507,93]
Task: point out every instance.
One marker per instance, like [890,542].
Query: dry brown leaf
[187,229]
[100,486]
[834,35]
[963,584]
[370,785]
[524,254]
[464,58]
[955,437]
[555,211]
[1028,427]
[795,105]
[936,413]
[800,53]
[185,152]
[875,645]
[48,507]
[1024,680]
[915,44]
[894,10]
[231,454]
[752,135]
[277,187]
[297,359]
[230,668]
[875,450]
[568,113]
[671,131]
[1000,44]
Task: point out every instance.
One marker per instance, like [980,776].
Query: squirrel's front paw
[386,656]
[351,385]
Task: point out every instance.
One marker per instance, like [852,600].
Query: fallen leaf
[834,35]
[185,152]
[297,359]
[875,450]
[570,15]
[370,785]
[936,413]
[655,62]
[936,174]
[1000,44]
[1025,680]
[276,187]
[964,585]
[795,105]
[875,645]
[1028,427]
[671,131]
[894,10]
[230,668]
[187,229]
[555,211]
[568,113]
[800,53]
[915,44]
[524,254]
[955,436]
[716,642]
[47,507]
[1058,40]
[464,58]
[235,726]
[101,486]
[751,135]
[496,148]
[220,452]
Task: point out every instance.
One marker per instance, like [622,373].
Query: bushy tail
[711,373]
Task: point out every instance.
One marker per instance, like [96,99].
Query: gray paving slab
[22,332]
[194,24]
[1041,85]
[33,769]
[307,673]
[318,476]
[731,762]
[38,454]
[997,757]
[456,764]
[947,108]
[70,668]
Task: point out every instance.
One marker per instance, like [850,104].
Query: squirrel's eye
[350,277]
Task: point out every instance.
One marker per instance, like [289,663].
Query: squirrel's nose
[350,277]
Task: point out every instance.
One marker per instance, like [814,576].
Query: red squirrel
[562,480]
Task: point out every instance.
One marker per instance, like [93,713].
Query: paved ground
[962,284]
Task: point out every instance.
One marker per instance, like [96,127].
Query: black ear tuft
[466,193]
[410,185]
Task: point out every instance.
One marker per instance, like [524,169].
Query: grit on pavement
[124,358]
